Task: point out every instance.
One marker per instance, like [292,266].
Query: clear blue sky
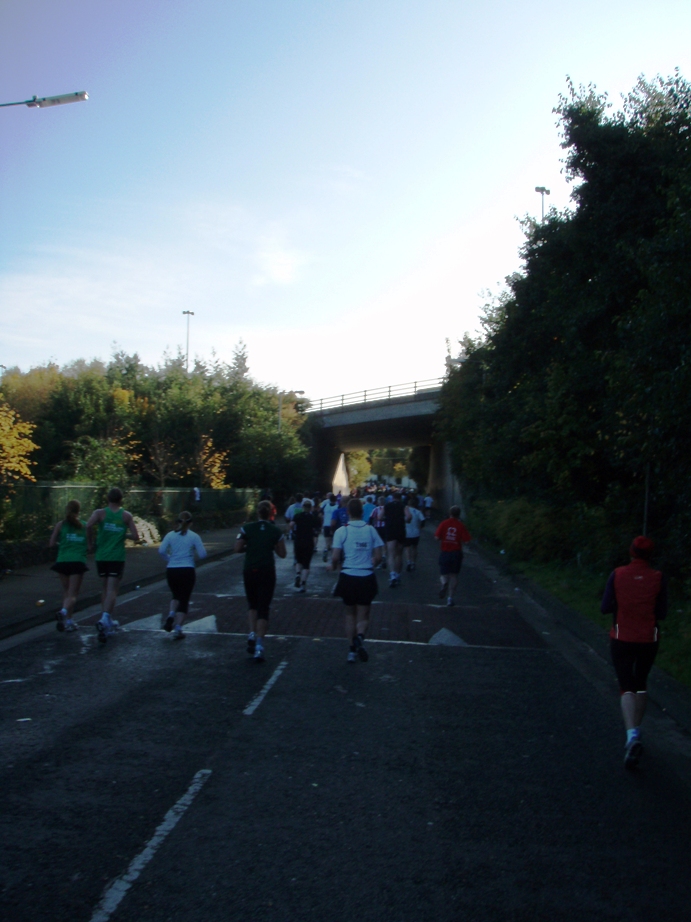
[335,182]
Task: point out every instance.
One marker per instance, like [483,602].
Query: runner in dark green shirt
[111,524]
[260,541]
[70,537]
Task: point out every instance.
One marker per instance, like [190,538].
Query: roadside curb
[26,624]
[665,691]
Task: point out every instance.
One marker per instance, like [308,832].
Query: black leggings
[632,663]
[181,581]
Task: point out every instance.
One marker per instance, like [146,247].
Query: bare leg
[453,582]
[74,583]
[111,584]
[65,583]
[641,702]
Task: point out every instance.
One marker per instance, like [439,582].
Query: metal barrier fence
[411,389]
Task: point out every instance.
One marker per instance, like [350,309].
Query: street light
[543,192]
[187,350]
[280,403]
[44,102]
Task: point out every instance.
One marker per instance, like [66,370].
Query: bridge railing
[411,389]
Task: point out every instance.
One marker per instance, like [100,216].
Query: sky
[337,184]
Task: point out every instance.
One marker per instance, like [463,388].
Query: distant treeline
[125,423]
[579,393]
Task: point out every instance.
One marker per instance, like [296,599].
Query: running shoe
[251,644]
[297,582]
[362,654]
[70,625]
[168,623]
[633,753]
[178,634]
[302,588]
[103,631]
[352,656]
[442,591]
[450,602]
[60,619]
[259,653]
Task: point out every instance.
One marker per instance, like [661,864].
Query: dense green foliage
[581,386]
[125,423]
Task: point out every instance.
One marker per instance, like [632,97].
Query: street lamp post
[45,102]
[543,192]
[280,403]
[187,350]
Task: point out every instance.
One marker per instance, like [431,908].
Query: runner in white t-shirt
[414,522]
[357,547]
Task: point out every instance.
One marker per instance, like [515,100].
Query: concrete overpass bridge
[396,416]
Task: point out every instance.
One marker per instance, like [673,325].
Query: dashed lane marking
[115,891]
[256,701]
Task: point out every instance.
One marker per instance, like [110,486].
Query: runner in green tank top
[112,524]
[71,539]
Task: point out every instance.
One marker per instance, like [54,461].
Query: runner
[70,536]
[377,521]
[452,535]
[414,522]
[357,548]
[304,527]
[328,507]
[259,541]
[394,532]
[111,525]
[293,507]
[428,502]
[636,597]
[179,548]
[368,509]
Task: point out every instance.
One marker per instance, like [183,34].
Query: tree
[15,446]
[358,467]
[582,382]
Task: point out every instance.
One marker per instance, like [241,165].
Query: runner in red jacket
[636,597]
[452,535]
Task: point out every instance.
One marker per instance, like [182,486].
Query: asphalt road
[476,781]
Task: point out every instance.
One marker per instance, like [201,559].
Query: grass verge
[582,590]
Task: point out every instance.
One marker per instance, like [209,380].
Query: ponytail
[72,514]
[183,523]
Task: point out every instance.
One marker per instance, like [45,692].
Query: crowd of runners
[361,533]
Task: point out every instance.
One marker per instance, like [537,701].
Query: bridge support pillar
[442,484]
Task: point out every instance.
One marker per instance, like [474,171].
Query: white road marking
[256,701]
[202,626]
[447,638]
[115,891]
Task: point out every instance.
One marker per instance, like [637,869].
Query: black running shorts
[106,568]
[450,563]
[259,589]
[70,567]
[303,554]
[356,590]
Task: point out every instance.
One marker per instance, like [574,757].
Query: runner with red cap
[636,597]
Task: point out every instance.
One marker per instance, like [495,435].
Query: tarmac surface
[470,770]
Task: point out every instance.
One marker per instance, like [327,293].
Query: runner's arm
[55,536]
[199,548]
[94,519]
[240,544]
[280,547]
[129,521]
